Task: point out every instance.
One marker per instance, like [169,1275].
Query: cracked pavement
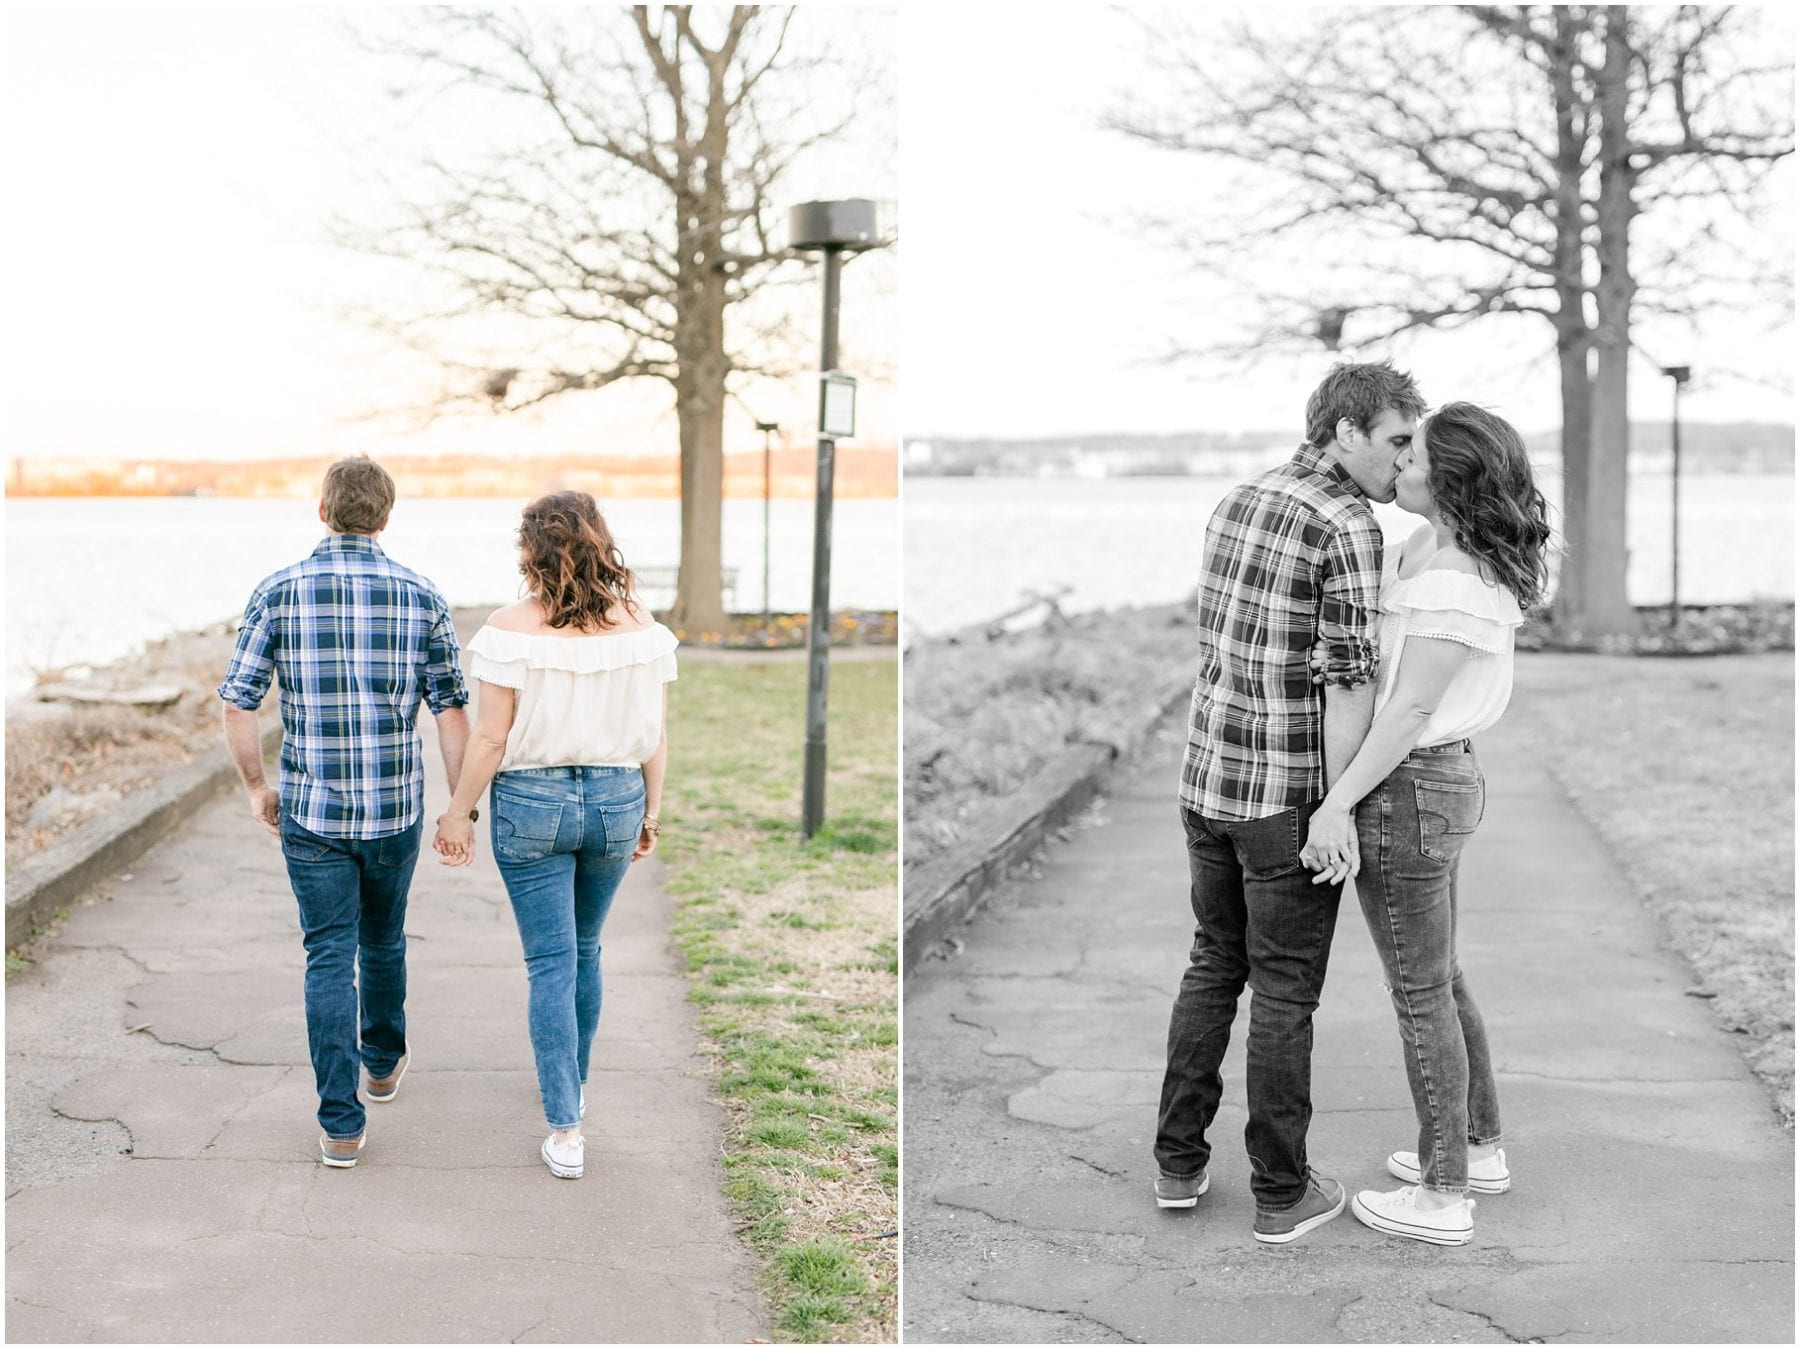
[1653,1185]
[163,1181]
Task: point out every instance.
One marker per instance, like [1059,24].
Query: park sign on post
[837,404]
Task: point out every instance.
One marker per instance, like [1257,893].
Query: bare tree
[618,223]
[1417,168]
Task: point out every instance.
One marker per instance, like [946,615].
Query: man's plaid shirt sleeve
[1350,585]
[252,667]
[444,687]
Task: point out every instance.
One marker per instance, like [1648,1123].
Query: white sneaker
[1397,1212]
[1488,1176]
[564,1159]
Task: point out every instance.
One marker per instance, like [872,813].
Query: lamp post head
[768,426]
[1679,373]
[828,226]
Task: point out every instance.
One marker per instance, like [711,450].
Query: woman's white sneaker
[1397,1212]
[564,1159]
[1488,1176]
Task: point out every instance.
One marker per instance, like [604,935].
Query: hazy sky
[1029,307]
[173,294]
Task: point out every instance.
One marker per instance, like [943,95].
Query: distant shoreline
[1654,469]
[847,491]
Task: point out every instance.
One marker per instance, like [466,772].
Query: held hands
[455,840]
[1331,846]
[1317,659]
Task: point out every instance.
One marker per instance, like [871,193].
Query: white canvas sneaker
[1397,1213]
[564,1159]
[1488,1176]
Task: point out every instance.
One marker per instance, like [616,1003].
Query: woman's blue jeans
[1411,831]
[563,838]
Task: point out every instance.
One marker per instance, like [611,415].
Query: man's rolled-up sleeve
[1350,585]
[444,687]
[252,667]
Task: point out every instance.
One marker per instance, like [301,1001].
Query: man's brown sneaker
[384,1088]
[1323,1201]
[341,1151]
[1181,1191]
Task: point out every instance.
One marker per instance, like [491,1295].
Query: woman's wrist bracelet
[653,824]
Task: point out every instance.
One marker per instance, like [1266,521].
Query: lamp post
[767,428]
[830,228]
[1678,375]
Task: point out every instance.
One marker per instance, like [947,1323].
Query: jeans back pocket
[1448,814]
[302,845]
[525,831]
[1270,847]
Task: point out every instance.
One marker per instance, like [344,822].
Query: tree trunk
[700,205]
[700,412]
[1600,604]
[1574,339]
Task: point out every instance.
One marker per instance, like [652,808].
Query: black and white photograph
[1348,689]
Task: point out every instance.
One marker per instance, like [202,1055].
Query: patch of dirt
[67,762]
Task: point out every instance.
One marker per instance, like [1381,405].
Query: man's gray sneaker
[1181,1191]
[1323,1201]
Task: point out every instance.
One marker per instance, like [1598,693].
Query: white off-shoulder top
[1461,608]
[595,699]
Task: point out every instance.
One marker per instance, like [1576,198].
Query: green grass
[791,950]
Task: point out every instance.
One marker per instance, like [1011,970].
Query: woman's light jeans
[563,838]
[1411,831]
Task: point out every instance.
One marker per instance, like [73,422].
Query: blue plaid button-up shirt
[356,640]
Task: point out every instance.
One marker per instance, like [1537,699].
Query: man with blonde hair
[356,641]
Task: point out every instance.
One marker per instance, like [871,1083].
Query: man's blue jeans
[352,894]
[563,839]
[1258,920]
[1410,832]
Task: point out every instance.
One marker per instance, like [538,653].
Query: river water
[90,579]
[975,546]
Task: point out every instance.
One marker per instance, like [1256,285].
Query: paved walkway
[162,1172]
[1653,1189]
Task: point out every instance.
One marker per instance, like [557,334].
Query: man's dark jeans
[352,894]
[1258,919]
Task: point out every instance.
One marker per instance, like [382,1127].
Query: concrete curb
[945,893]
[60,874]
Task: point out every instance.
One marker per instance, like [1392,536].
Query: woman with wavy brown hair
[1450,601]
[569,731]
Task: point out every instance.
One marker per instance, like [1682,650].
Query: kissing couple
[1288,792]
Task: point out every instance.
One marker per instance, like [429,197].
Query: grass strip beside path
[984,717]
[791,950]
[1686,769]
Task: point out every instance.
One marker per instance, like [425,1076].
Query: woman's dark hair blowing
[1482,485]
[571,562]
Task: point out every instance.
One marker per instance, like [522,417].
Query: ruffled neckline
[1439,588]
[583,654]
